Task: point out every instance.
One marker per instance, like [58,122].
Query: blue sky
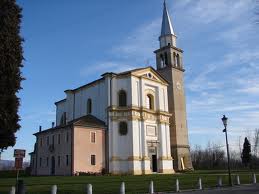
[69,44]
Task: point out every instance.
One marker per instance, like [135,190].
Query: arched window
[150,101]
[63,119]
[123,128]
[162,61]
[89,106]
[166,60]
[175,64]
[181,62]
[122,98]
[178,60]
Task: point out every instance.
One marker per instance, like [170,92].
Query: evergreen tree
[246,153]
[11,56]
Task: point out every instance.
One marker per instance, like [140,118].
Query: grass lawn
[111,184]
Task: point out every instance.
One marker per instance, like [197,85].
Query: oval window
[123,128]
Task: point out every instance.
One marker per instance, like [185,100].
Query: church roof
[86,121]
[167,28]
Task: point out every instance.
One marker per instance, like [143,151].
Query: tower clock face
[178,85]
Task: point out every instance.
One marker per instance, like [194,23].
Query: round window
[123,128]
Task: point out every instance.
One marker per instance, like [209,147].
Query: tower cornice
[167,47]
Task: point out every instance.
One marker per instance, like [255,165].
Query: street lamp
[225,122]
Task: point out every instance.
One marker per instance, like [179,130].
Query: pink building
[78,146]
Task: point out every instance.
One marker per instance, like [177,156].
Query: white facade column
[115,155]
[110,146]
[165,161]
[162,140]
[145,159]
[136,163]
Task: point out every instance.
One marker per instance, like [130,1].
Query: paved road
[244,189]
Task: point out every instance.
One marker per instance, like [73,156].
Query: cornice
[138,113]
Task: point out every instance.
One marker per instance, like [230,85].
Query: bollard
[199,184]
[177,188]
[254,178]
[20,187]
[89,189]
[151,187]
[54,189]
[122,189]
[12,191]
[237,180]
[219,181]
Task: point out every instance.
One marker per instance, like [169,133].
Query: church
[132,122]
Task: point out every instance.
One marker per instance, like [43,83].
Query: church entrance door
[154,163]
[52,165]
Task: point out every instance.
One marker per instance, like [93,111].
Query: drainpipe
[74,100]
[72,149]
[107,131]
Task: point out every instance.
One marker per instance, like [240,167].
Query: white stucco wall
[139,86]
[75,104]
[123,83]
[60,109]
[98,94]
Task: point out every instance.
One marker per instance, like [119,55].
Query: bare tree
[256,142]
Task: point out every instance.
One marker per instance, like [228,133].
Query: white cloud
[249,86]
[137,49]
[141,42]
[208,11]
[104,67]
[245,62]
[201,81]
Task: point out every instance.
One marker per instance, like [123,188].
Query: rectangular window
[53,139]
[58,160]
[93,160]
[41,141]
[67,160]
[93,134]
[48,140]
[58,138]
[40,161]
[47,161]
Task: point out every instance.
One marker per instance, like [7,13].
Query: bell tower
[170,65]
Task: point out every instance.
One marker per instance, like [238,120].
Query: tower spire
[167,28]
[167,36]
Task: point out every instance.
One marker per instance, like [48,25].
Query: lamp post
[225,122]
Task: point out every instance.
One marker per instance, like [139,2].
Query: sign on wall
[151,130]
[18,153]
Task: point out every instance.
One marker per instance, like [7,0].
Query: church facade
[132,122]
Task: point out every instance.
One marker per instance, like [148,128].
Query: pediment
[150,73]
